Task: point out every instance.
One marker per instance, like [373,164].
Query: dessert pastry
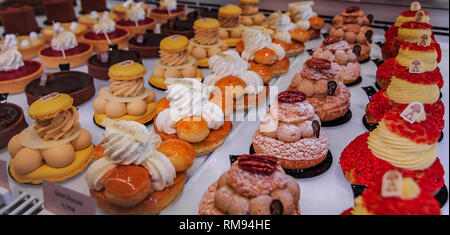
[28,45]
[65,49]
[354,27]
[137,173]
[104,33]
[135,20]
[79,85]
[78,29]
[250,15]
[55,148]
[125,98]
[99,64]
[91,18]
[37,5]
[147,45]
[59,11]
[409,147]
[257,48]
[329,96]
[230,30]
[343,59]
[89,6]
[291,132]
[175,62]
[12,122]
[249,189]
[206,42]
[304,17]
[185,25]
[121,9]
[237,86]
[167,9]
[428,56]
[16,73]
[187,114]
[288,32]
[18,20]
[394,195]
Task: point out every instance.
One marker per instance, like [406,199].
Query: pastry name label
[412,112]
[416,66]
[188,82]
[63,201]
[126,63]
[50,96]
[4,182]
[420,16]
[391,185]
[424,40]
[125,129]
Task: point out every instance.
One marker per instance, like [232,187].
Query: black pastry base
[365,61]
[356,82]
[442,196]
[441,137]
[369,126]
[342,120]
[377,86]
[146,124]
[309,172]
[378,62]
[358,190]
[380,44]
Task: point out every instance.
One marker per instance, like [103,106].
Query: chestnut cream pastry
[343,59]
[291,132]
[135,172]
[187,114]
[55,148]
[305,18]
[329,96]
[242,87]
[230,30]
[254,185]
[250,15]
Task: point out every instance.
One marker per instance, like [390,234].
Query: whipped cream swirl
[10,57]
[170,5]
[161,169]
[254,40]
[63,40]
[104,25]
[136,13]
[301,11]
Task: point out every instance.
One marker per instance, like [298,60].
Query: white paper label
[125,129]
[392,184]
[416,66]
[412,112]
[188,82]
[424,40]
[126,63]
[50,96]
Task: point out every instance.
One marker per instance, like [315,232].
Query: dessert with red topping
[121,9]
[343,59]
[304,17]
[91,18]
[394,194]
[167,9]
[292,132]
[76,28]
[28,45]
[16,73]
[135,20]
[254,185]
[329,96]
[65,49]
[409,147]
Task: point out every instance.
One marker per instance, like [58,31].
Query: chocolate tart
[179,26]
[16,80]
[12,122]
[99,70]
[147,45]
[163,15]
[59,11]
[79,85]
[37,5]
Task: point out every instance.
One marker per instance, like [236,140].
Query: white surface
[328,193]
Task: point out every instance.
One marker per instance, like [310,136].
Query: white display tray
[328,193]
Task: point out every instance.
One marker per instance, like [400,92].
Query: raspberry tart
[167,9]
[135,21]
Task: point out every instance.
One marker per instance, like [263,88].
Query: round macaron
[49,106]
[229,11]
[174,43]
[126,70]
[206,24]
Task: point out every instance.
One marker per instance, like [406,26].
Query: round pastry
[121,9]
[90,6]
[99,64]
[203,12]
[147,45]
[305,18]
[250,15]
[237,85]
[329,96]
[257,47]
[76,28]
[91,18]
[249,189]
[16,73]
[55,148]
[230,30]
[291,132]
[351,15]
[182,25]
[181,117]
[175,62]
[144,179]
[343,59]
[135,20]
[409,200]
[125,98]
[12,122]
[104,33]
[18,18]
[288,32]
[167,9]
[59,11]
[28,45]
[410,148]
[206,42]
[79,85]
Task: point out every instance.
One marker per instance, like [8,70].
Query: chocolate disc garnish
[357,50]
[332,85]
[370,18]
[332,39]
[369,34]
[291,97]
[64,67]
[316,128]
[352,9]
[276,207]
[4,96]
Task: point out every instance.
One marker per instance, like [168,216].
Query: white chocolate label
[412,112]
[50,96]
[125,129]
[392,184]
[424,40]
[126,63]
[420,16]
[188,82]
[416,66]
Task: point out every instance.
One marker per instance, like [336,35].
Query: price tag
[63,201]
[412,112]
[4,182]
[128,130]
[416,66]
[392,184]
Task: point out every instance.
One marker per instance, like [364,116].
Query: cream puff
[305,18]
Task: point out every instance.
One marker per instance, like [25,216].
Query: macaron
[49,106]
[206,24]
[126,70]
[229,10]
[174,43]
